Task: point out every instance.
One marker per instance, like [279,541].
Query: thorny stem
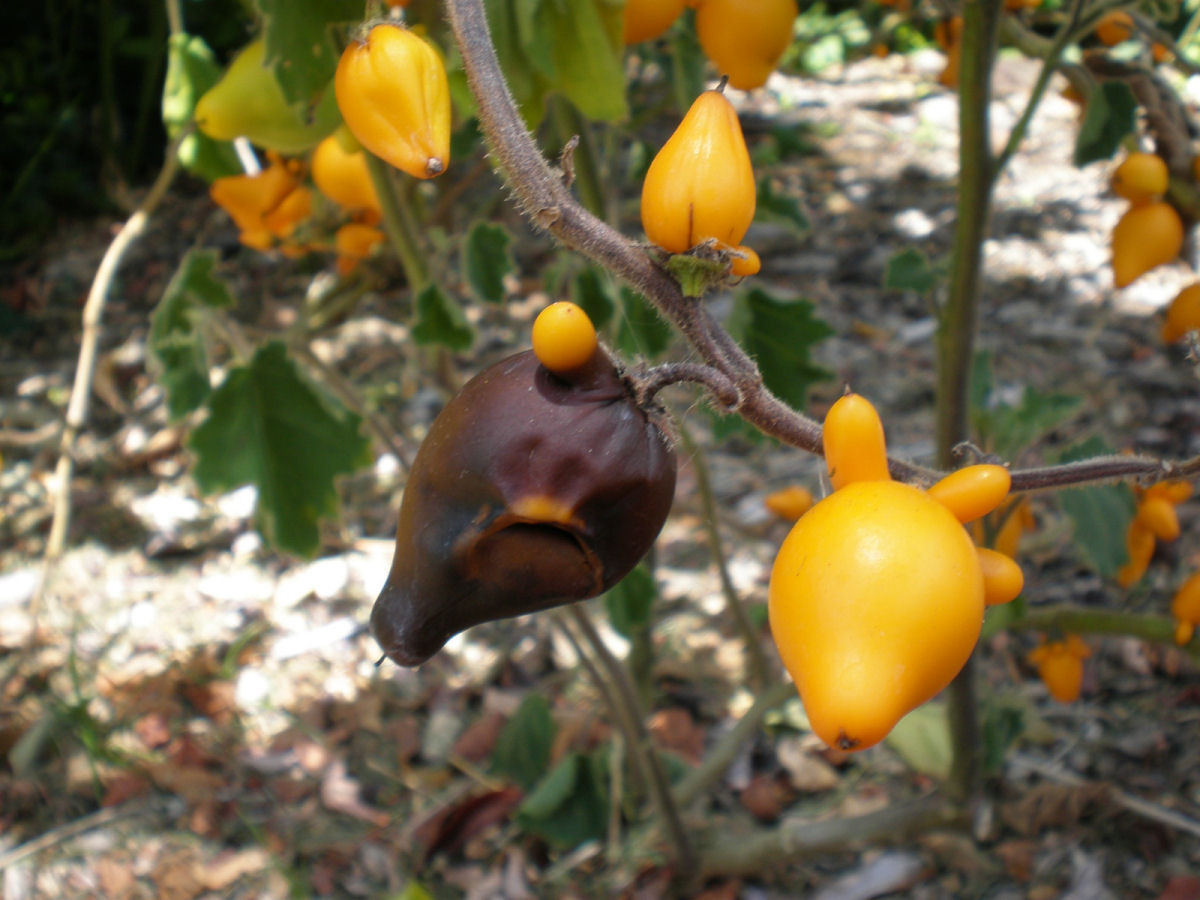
[957,324]
[549,205]
[628,707]
[649,383]
[761,673]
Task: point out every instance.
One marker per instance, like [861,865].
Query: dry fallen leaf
[340,793]
[476,742]
[449,828]
[676,730]
[218,874]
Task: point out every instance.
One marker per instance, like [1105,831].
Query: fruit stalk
[398,224]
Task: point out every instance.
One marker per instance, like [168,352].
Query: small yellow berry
[564,338]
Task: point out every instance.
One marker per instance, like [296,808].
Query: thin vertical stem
[956,333]
[761,671]
[398,224]
[627,707]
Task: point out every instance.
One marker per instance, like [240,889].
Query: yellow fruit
[790,503]
[853,442]
[700,186]
[744,39]
[342,176]
[394,95]
[1115,28]
[1147,236]
[564,339]
[1158,516]
[647,19]
[744,262]
[1003,579]
[1183,315]
[248,102]
[973,491]
[1185,607]
[1139,544]
[876,600]
[1140,178]
[1060,665]
[948,34]
[354,242]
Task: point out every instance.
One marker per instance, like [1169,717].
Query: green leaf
[779,335]
[592,291]
[440,320]
[1111,115]
[176,340]
[1003,723]
[1008,430]
[909,270]
[191,70]
[629,603]
[486,260]
[300,45]
[783,209]
[642,330]
[922,739]
[570,805]
[267,426]
[522,750]
[1100,514]
[575,48]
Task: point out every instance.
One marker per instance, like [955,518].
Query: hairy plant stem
[627,708]
[957,325]
[761,671]
[541,194]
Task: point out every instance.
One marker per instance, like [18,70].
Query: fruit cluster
[877,594]
[392,95]
[1155,520]
[743,39]
[1150,233]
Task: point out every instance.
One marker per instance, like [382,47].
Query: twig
[720,757]
[93,310]
[641,746]
[1144,808]
[350,396]
[762,672]
[724,854]
[1087,620]
[98,819]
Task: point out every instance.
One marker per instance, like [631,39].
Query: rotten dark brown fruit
[531,490]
